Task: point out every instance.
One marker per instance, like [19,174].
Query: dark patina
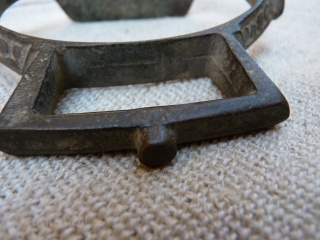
[29,127]
[93,10]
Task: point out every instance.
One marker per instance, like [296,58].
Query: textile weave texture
[259,185]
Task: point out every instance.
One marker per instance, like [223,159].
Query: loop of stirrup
[49,67]
[14,47]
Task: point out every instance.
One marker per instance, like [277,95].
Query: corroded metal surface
[29,127]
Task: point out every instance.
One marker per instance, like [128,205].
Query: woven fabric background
[260,185]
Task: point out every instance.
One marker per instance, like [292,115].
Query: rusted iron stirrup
[29,127]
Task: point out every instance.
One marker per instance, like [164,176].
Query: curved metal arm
[253,24]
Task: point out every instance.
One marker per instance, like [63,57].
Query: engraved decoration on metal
[29,127]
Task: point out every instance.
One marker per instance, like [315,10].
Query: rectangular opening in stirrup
[81,100]
[120,72]
[9,80]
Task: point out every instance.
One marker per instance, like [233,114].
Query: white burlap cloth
[260,185]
